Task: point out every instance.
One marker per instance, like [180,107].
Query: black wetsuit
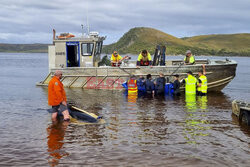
[176,87]
[141,84]
[149,86]
[160,85]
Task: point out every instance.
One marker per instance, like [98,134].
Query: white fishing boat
[80,60]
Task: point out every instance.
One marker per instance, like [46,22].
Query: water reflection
[196,118]
[86,135]
[132,99]
[202,103]
[243,127]
[55,142]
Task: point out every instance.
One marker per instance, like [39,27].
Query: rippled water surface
[143,131]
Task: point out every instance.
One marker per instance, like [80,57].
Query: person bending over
[144,59]
[57,97]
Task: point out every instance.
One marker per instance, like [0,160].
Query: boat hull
[219,73]
[242,111]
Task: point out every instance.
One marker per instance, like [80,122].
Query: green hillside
[137,39]
[222,42]
[141,38]
[29,48]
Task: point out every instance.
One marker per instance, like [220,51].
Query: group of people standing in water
[148,85]
[151,86]
[157,86]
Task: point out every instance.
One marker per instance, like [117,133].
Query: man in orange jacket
[57,97]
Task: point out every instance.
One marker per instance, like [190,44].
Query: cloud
[29,21]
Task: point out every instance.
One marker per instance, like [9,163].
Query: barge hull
[218,75]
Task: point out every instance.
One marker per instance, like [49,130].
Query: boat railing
[132,63]
[178,62]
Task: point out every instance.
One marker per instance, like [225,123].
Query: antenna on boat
[88,19]
[82,30]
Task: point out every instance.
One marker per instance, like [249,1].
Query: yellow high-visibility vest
[190,87]
[116,58]
[191,59]
[203,87]
[132,86]
[147,58]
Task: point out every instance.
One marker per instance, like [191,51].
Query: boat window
[87,49]
[98,48]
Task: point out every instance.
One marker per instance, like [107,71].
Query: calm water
[139,131]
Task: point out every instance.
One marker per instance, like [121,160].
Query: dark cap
[132,76]
[190,72]
[176,75]
[144,51]
[148,76]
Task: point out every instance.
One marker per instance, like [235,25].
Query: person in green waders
[202,82]
[190,84]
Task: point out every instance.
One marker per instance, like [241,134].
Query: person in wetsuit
[150,87]
[176,85]
[160,84]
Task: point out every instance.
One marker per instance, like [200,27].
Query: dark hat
[176,75]
[190,72]
[133,76]
[144,51]
[148,76]
[200,71]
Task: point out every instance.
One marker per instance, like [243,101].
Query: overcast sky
[32,21]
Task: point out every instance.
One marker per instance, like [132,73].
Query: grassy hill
[30,48]
[141,38]
[137,39]
[239,43]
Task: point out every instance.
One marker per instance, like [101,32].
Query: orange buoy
[65,36]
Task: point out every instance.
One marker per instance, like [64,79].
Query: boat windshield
[87,49]
[98,48]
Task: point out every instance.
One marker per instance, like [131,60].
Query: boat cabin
[70,51]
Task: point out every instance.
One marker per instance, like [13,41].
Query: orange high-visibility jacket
[132,86]
[56,93]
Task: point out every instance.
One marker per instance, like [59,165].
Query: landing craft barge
[78,58]
[242,111]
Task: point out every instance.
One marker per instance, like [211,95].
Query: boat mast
[88,18]
[82,30]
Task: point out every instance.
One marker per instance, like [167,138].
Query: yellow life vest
[190,87]
[116,58]
[147,58]
[203,87]
[191,59]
